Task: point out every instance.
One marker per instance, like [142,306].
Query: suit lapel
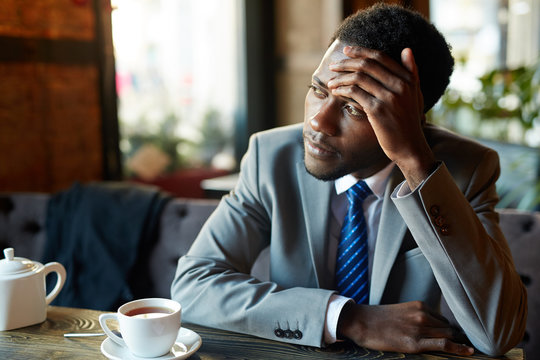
[315,205]
[389,238]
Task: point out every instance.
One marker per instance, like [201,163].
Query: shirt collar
[376,182]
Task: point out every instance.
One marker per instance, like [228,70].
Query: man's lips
[319,149]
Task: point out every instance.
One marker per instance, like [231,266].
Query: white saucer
[187,343]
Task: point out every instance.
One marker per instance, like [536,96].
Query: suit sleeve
[457,230]
[213,281]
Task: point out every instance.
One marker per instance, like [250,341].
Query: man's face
[338,138]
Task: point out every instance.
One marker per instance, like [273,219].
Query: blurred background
[167,92]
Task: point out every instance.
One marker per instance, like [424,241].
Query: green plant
[195,149]
[507,103]
[511,94]
[505,109]
[214,138]
[163,138]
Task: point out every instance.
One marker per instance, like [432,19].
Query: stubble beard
[328,175]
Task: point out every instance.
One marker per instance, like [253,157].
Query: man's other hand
[407,327]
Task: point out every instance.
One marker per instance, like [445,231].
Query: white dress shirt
[372,212]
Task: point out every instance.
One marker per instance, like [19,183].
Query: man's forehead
[333,54]
[335,51]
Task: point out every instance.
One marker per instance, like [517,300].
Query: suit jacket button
[279,333]
[439,221]
[444,230]
[288,334]
[434,210]
[297,334]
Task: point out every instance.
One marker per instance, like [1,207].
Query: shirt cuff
[335,305]
[403,189]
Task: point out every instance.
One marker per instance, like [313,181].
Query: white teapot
[23,301]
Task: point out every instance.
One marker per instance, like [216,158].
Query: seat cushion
[522,231]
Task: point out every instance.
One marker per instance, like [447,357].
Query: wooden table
[46,341]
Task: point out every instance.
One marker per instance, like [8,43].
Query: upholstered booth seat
[180,223]
[522,230]
[23,217]
[22,223]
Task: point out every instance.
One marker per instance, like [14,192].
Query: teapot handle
[61,279]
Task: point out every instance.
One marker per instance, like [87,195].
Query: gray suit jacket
[443,238]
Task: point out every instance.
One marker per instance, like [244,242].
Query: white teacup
[149,327]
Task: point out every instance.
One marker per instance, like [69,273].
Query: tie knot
[358,192]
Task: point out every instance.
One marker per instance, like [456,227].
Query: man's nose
[325,120]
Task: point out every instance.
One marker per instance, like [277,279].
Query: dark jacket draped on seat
[103,234]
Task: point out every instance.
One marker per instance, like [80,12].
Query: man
[432,230]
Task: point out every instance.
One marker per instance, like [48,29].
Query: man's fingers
[407,59]
[406,327]
[438,316]
[355,86]
[445,345]
[342,84]
[437,332]
[356,51]
[376,72]
[372,57]
[354,78]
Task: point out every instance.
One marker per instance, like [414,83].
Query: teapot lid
[15,265]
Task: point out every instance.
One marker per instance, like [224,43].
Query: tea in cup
[149,327]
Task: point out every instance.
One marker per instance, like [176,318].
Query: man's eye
[318,92]
[354,111]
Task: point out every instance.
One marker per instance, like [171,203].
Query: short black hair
[390,29]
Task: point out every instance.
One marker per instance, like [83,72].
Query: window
[493,91]
[177,78]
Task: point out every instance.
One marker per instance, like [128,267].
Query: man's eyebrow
[319,82]
[323,85]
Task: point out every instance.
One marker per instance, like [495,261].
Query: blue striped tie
[352,256]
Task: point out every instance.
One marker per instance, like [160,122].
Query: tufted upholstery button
[6,205]
[31,227]
[434,210]
[527,225]
[279,333]
[525,279]
[182,212]
[297,334]
[288,334]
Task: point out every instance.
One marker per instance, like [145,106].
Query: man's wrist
[345,320]
[417,169]
[403,189]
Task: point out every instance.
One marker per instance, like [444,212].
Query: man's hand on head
[407,327]
[389,93]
